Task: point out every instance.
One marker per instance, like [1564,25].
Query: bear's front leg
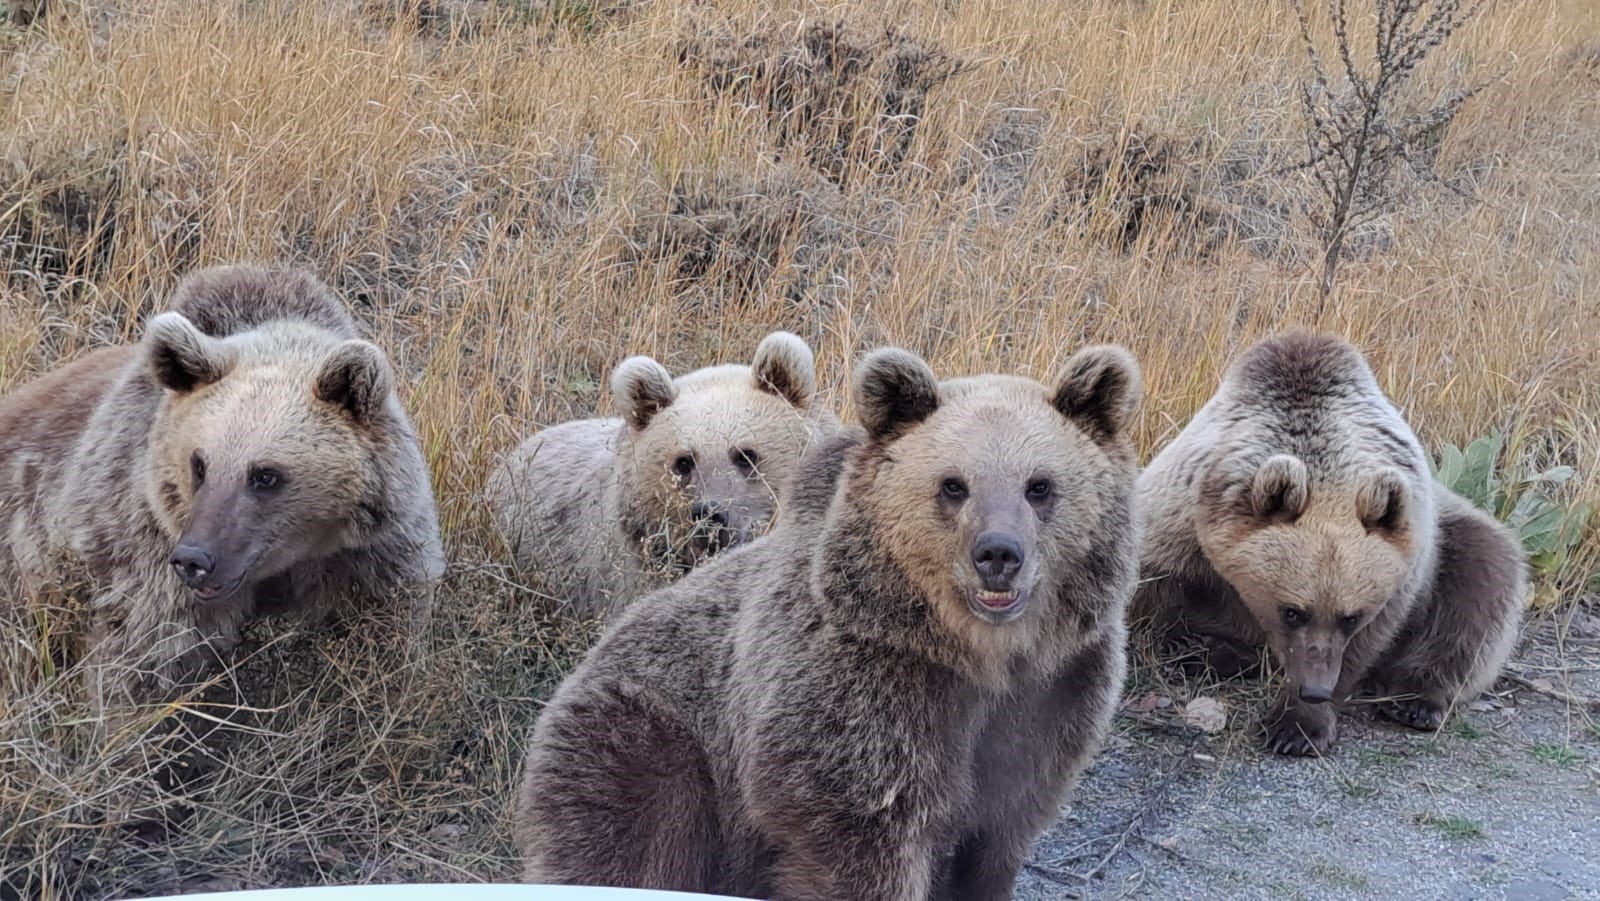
[856,867]
[1463,627]
[1299,728]
[985,865]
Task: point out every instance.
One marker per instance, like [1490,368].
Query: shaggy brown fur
[1297,512]
[890,694]
[602,511]
[249,457]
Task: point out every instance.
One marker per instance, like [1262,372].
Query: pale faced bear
[601,511]
[1297,512]
[248,457]
[888,696]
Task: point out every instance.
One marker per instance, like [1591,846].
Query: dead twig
[1568,697]
[1149,806]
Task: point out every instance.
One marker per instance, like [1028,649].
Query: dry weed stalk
[1357,133]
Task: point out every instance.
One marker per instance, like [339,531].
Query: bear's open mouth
[997,600]
[212,591]
[997,606]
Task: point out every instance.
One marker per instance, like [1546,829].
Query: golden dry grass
[514,196]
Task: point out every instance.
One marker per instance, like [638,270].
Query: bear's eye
[954,489]
[263,479]
[1348,622]
[1294,617]
[683,465]
[1039,490]
[197,468]
[745,459]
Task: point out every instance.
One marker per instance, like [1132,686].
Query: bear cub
[1297,512]
[248,457]
[890,694]
[605,510]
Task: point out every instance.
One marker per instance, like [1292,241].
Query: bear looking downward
[248,457]
[604,510]
[888,696]
[1296,511]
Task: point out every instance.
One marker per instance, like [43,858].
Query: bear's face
[704,456]
[259,456]
[1313,563]
[989,492]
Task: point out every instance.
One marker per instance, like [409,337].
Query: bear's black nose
[997,557]
[193,564]
[711,514]
[1316,694]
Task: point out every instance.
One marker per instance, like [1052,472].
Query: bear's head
[702,457]
[1000,505]
[260,455]
[1314,560]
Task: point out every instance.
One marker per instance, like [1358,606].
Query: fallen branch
[1149,806]
[1577,700]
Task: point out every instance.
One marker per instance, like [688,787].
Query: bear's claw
[1289,739]
[1416,713]
[1300,730]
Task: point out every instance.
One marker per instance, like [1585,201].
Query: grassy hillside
[516,195]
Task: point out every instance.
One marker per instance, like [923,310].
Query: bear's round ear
[182,357]
[643,388]
[1279,490]
[894,390]
[1100,389]
[1381,502]
[784,366]
[356,376]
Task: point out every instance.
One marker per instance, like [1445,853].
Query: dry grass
[515,195]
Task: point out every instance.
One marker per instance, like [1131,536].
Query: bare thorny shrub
[1361,139]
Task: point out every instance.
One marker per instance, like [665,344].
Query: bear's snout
[193,564]
[710,514]
[713,527]
[998,558]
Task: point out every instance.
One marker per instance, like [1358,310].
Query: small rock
[1167,843]
[1541,684]
[1206,714]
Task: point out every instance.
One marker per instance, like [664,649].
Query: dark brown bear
[887,697]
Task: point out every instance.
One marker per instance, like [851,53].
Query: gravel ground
[1503,802]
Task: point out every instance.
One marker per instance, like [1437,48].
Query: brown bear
[1297,512]
[602,511]
[890,694]
[248,457]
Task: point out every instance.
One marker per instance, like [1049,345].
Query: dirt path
[1504,802]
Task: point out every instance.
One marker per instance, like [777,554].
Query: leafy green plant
[1550,530]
